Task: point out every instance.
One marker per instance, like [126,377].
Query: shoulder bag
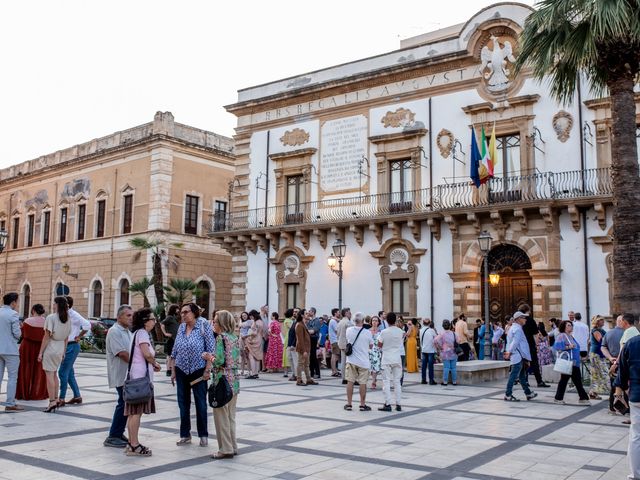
[564,361]
[456,345]
[220,393]
[349,350]
[137,390]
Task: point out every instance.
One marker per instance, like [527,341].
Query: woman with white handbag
[568,363]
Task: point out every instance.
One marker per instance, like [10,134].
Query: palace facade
[70,216]
[376,154]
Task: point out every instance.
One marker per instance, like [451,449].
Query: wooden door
[513,290]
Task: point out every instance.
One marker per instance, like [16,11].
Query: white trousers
[391,374]
[633,452]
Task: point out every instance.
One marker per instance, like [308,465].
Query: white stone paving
[290,432]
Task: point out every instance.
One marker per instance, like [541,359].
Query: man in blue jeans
[427,335]
[518,354]
[117,345]
[79,327]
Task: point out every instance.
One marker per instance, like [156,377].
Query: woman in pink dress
[273,362]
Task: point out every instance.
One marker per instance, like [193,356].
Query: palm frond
[564,38]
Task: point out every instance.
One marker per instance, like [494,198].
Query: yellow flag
[493,152]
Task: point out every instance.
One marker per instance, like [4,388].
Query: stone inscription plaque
[342,146]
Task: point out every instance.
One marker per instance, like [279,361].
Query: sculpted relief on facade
[295,137]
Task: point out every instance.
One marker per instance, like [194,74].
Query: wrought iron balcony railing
[515,189]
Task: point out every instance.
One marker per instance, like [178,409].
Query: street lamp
[339,251]
[3,239]
[484,241]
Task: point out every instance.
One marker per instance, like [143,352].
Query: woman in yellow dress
[412,348]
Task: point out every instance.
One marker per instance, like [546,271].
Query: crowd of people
[359,349]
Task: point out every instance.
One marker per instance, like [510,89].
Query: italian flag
[489,153]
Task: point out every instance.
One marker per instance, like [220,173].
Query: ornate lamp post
[3,239]
[484,241]
[339,252]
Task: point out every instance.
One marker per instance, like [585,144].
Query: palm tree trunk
[626,197]
[158,278]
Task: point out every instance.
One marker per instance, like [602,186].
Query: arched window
[97,299]
[124,292]
[203,297]
[26,300]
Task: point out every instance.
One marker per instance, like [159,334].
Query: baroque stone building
[71,214]
[376,153]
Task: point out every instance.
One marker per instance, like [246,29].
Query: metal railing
[500,190]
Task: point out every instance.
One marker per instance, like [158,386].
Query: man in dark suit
[530,329]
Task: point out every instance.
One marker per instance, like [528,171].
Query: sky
[74,70]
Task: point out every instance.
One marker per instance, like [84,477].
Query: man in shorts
[358,364]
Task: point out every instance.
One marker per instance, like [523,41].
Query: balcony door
[506,186]
[400,186]
[295,199]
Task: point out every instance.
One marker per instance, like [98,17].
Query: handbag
[456,346]
[137,390]
[220,393]
[564,365]
[349,349]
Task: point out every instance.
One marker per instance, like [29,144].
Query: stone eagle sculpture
[496,62]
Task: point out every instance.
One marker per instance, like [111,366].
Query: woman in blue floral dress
[375,354]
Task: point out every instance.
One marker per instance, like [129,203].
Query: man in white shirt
[118,346]
[358,364]
[79,328]
[345,323]
[390,341]
[427,335]
[581,334]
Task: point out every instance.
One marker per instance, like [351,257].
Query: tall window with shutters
[31,225]
[191,215]
[63,224]
[96,311]
[101,208]
[400,296]
[127,213]
[46,227]
[295,199]
[124,292]
[16,232]
[400,185]
[81,219]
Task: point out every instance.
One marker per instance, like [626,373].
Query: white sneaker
[584,402]
[183,441]
[559,402]
[204,441]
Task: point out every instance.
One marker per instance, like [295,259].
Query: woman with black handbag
[223,392]
[138,394]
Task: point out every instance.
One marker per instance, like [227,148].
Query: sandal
[365,408]
[348,407]
[594,396]
[374,385]
[137,451]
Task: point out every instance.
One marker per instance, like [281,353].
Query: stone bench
[477,371]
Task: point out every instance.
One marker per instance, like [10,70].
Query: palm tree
[181,289]
[159,255]
[140,288]
[564,39]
